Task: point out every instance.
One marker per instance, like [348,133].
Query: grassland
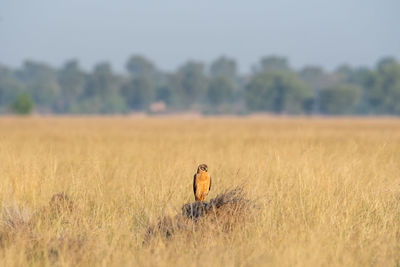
[328,190]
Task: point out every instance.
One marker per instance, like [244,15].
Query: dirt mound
[226,212]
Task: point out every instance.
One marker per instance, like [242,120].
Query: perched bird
[201,183]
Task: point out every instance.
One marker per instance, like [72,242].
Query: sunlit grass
[328,190]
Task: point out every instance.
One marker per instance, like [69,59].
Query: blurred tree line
[273,86]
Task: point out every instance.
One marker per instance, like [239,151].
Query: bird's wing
[194,184]
[210,185]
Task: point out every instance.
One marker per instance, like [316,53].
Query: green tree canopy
[10,87]
[280,92]
[72,81]
[138,93]
[344,73]
[220,90]
[167,93]
[23,105]
[102,92]
[273,86]
[42,83]
[385,93]
[224,66]
[272,63]
[315,77]
[138,65]
[340,99]
[190,82]
[102,82]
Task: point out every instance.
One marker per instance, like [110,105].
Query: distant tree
[10,87]
[220,90]
[166,94]
[102,92]
[386,62]
[113,104]
[138,65]
[359,76]
[273,87]
[344,73]
[383,87]
[72,81]
[41,82]
[272,63]
[171,91]
[102,82]
[190,83]
[316,78]
[340,99]
[23,105]
[224,66]
[138,93]
[279,92]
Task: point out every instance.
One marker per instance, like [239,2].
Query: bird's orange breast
[202,185]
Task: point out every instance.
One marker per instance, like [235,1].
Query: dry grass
[85,191]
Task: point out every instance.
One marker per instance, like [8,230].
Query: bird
[201,183]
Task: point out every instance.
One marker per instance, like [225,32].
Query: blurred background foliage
[273,86]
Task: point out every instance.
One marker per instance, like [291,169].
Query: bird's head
[202,167]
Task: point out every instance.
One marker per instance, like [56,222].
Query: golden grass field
[327,190]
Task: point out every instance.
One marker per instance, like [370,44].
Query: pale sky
[317,32]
